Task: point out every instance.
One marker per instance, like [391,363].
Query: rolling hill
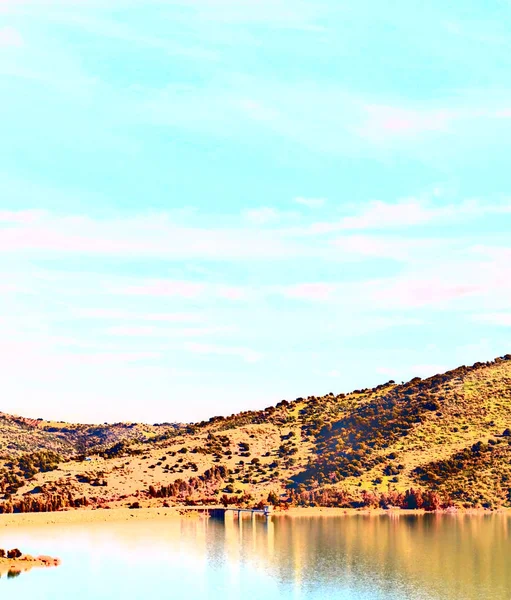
[434,442]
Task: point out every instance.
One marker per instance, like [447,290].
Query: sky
[207,206]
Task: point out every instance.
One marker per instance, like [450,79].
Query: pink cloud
[382,121]
[232,293]
[10,37]
[20,217]
[309,291]
[413,293]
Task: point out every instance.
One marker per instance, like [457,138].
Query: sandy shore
[146,514]
[95,516]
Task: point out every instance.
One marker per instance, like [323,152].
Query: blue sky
[208,206]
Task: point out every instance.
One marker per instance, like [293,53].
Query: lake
[428,557]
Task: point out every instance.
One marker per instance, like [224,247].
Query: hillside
[447,437]
[20,435]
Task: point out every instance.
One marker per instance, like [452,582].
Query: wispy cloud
[165,332]
[146,236]
[309,291]
[410,212]
[168,288]
[247,354]
[121,315]
[310,202]
[143,236]
[184,289]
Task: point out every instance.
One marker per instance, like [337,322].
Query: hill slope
[448,436]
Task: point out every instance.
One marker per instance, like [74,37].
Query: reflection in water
[12,574]
[429,557]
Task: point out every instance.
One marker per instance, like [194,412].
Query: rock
[48,561]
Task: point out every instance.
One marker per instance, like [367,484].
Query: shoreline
[113,515]
[318,511]
[16,566]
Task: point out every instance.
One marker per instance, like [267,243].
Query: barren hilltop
[430,443]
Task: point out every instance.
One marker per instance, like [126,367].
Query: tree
[273,498]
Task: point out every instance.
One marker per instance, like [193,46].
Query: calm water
[410,557]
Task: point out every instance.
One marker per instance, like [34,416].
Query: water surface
[429,557]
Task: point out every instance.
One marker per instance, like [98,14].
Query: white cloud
[261,216]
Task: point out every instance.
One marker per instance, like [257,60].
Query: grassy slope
[443,433]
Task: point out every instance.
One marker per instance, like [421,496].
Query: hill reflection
[435,556]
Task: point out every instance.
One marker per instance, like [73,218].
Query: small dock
[220,513]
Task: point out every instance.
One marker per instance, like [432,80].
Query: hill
[441,441]
[20,435]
